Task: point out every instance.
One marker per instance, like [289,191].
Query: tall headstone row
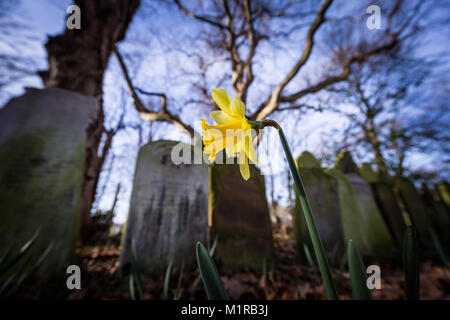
[368,209]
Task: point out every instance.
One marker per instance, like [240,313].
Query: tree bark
[77,61]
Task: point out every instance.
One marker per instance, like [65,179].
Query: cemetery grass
[100,279]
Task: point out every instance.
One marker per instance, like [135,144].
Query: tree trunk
[77,61]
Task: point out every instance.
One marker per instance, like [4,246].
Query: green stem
[310,222]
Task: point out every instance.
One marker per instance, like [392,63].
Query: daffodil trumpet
[234,133]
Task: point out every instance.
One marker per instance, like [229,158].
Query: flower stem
[310,222]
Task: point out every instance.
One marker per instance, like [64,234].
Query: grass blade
[358,276]
[135,270]
[411,264]
[132,293]
[12,261]
[210,276]
[180,281]
[299,294]
[165,293]
[309,257]
[438,245]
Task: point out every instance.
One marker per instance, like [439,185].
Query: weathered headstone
[240,217]
[321,189]
[387,203]
[42,145]
[444,191]
[361,218]
[367,173]
[168,210]
[439,214]
[417,210]
[389,208]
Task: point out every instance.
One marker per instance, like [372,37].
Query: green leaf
[411,264]
[197,281]
[358,276]
[210,276]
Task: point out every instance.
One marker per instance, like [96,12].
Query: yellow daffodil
[232,132]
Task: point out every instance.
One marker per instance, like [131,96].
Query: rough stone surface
[240,218]
[321,189]
[168,201]
[42,143]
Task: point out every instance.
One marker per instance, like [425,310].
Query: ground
[100,279]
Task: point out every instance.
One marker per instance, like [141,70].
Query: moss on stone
[307,161]
[40,189]
[240,218]
[361,218]
[368,174]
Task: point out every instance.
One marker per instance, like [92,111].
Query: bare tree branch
[165,115]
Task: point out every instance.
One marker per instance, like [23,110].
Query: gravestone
[390,210]
[361,218]
[367,173]
[321,190]
[439,214]
[444,192]
[386,202]
[417,211]
[168,210]
[42,145]
[240,217]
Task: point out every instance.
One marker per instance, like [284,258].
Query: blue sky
[149,50]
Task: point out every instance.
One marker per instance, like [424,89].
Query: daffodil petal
[221,97]
[250,150]
[221,117]
[233,149]
[244,169]
[237,108]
